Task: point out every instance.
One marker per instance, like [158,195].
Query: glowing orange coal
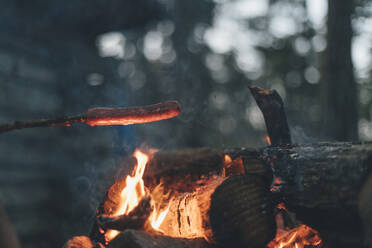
[298,237]
[267,138]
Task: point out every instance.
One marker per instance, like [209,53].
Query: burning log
[235,211]
[105,117]
[134,220]
[186,170]
[328,186]
[140,239]
[325,184]
[82,242]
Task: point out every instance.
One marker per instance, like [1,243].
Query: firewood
[186,170]
[105,117]
[327,185]
[140,239]
[241,212]
[82,242]
[272,108]
[235,212]
[134,220]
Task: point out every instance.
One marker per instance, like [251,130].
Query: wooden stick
[134,220]
[271,106]
[105,117]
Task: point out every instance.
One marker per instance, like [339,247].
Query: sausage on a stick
[105,117]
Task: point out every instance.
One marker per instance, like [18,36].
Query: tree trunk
[339,86]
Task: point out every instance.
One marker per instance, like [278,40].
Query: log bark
[327,185]
[140,239]
[186,170]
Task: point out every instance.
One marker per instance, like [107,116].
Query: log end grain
[241,212]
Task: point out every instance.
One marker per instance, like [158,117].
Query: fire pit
[280,196]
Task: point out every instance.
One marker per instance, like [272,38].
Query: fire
[167,205]
[267,138]
[227,159]
[299,237]
[156,222]
[133,191]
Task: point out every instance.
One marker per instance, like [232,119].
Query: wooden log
[327,185]
[186,170]
[235,212]
[241,212]
[134,220]
[272,108]
[140,239]
[82,242]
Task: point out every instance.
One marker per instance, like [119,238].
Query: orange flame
[156,221]
[160,219]
[227,159]
[133,191]
[298,237]
[267,138]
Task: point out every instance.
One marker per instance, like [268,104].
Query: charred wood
[140,239]
[241,212]
[186,170]
[134,220]
[236,212]
[82,242]
[272,108]
[327,185]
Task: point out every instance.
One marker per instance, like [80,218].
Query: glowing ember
[267,138]
[281,206]
[227,159]
[298,237]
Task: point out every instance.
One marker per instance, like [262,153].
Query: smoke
[300,137]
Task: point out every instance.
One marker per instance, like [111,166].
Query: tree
[339,85]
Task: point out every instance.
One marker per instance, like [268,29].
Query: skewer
[105,117]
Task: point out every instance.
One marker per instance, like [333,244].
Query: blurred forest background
[62,57]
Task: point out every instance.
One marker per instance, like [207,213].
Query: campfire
[280,196]
[184,213]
